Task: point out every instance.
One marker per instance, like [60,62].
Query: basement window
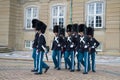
[28,44]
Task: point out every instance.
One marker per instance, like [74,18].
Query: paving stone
[20,70]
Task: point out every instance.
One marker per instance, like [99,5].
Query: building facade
[16,15]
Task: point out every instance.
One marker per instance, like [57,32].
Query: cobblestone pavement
[20,70]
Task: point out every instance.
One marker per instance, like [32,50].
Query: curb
[23,59]
[16,59]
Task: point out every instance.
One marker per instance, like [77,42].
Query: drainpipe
[119,29]
[70,11]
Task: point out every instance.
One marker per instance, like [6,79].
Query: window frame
[51,14]
[87,15]
[31,17]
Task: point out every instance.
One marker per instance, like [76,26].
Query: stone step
[4,49]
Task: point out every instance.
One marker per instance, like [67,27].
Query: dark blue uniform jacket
[57,43]
[82,43]
[93,43]
[41,42]
[35,42]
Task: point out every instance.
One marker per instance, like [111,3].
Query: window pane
[34,12]
[29,10]
[91,21]
[98,8]
[61,22]
[61,8]
[28,23]
[54,21]
[55,10]
[91,8]
[27,44]
[98,21]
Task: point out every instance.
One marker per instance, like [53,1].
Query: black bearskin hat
[34,23]
[75,27]
[69,28]
[56,29]
[41,26]
[82,28]
[62,31]
[90,31]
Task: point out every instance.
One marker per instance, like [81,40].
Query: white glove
[71,46]
[44,49]
[58,45]
[93,46]
[85,46]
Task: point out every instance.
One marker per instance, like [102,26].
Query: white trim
[40,62]
[37,17]
[90,1]
[51,14]
[59,55]
[36,60]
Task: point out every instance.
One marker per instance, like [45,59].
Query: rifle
[47,50]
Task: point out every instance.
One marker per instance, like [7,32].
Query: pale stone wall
[112,39]
[4,22]
[12,23]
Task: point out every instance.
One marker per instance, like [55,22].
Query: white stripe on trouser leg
[87,62]
[36,62]
[73,61]
[59,59]
[39,62]
[94,62]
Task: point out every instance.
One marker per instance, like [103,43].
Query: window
[28,44]
[30,13]
[58,15]
[95,14]
[99,48]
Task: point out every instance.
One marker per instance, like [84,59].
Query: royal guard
[82,47]
[35,43]
[75,36]
[41,28]
[62,34]
[75,30]
[56,48]
[93,44]
[70,45]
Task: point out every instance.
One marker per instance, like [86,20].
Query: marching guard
[56,48]
[41,49]
[35,43]
[82,47]
[75,36]
[93,44]
[70,45]
[62,34]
